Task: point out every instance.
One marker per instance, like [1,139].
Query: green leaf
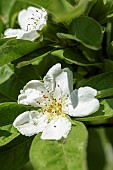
[2,26]
[10,83]
[105,112]
[87,31]
[75,56]
[109,134]
[12,80]
[105,93]
[15,154]
[7,134]
[9,111]
[100,82]
[6,72]
[100,153]
[28,166]
[95,150]
[67,154]
[104,11]
[5,8]
[14,49]
[110,50]
[44,62]
[108,65]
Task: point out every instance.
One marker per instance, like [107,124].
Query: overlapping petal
[59,81]
[33,94]
[31,36]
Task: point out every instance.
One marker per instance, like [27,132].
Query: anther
[45,96]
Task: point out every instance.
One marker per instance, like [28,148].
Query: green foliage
[90,35]
[96,152]
[14,49]
[5,8]
[7,133]
[15,153]
[67,154]
[8,112]
[79,35]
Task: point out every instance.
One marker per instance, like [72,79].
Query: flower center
[54,108]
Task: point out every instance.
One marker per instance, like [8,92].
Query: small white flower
[30,20]
[57,99]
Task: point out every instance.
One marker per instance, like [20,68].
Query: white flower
[57,99]
[30,20]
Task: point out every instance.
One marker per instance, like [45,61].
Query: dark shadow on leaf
[95,151]
[4,133]
[110,102]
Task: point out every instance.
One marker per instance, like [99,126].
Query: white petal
[59,81]
[84,103]
[38,11]
[33,94]
[13,33]
[49,81]
[30,123]
[31,36]
[32,18]
[65,82]
[57,129]
[40,15]
[23,19]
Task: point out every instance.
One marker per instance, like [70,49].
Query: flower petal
[84,103]
[13,33]
[34,94]
[23,19]
[30,123]
[31,36]
[56,129]
[32,18]
[59,81]
[40,14]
